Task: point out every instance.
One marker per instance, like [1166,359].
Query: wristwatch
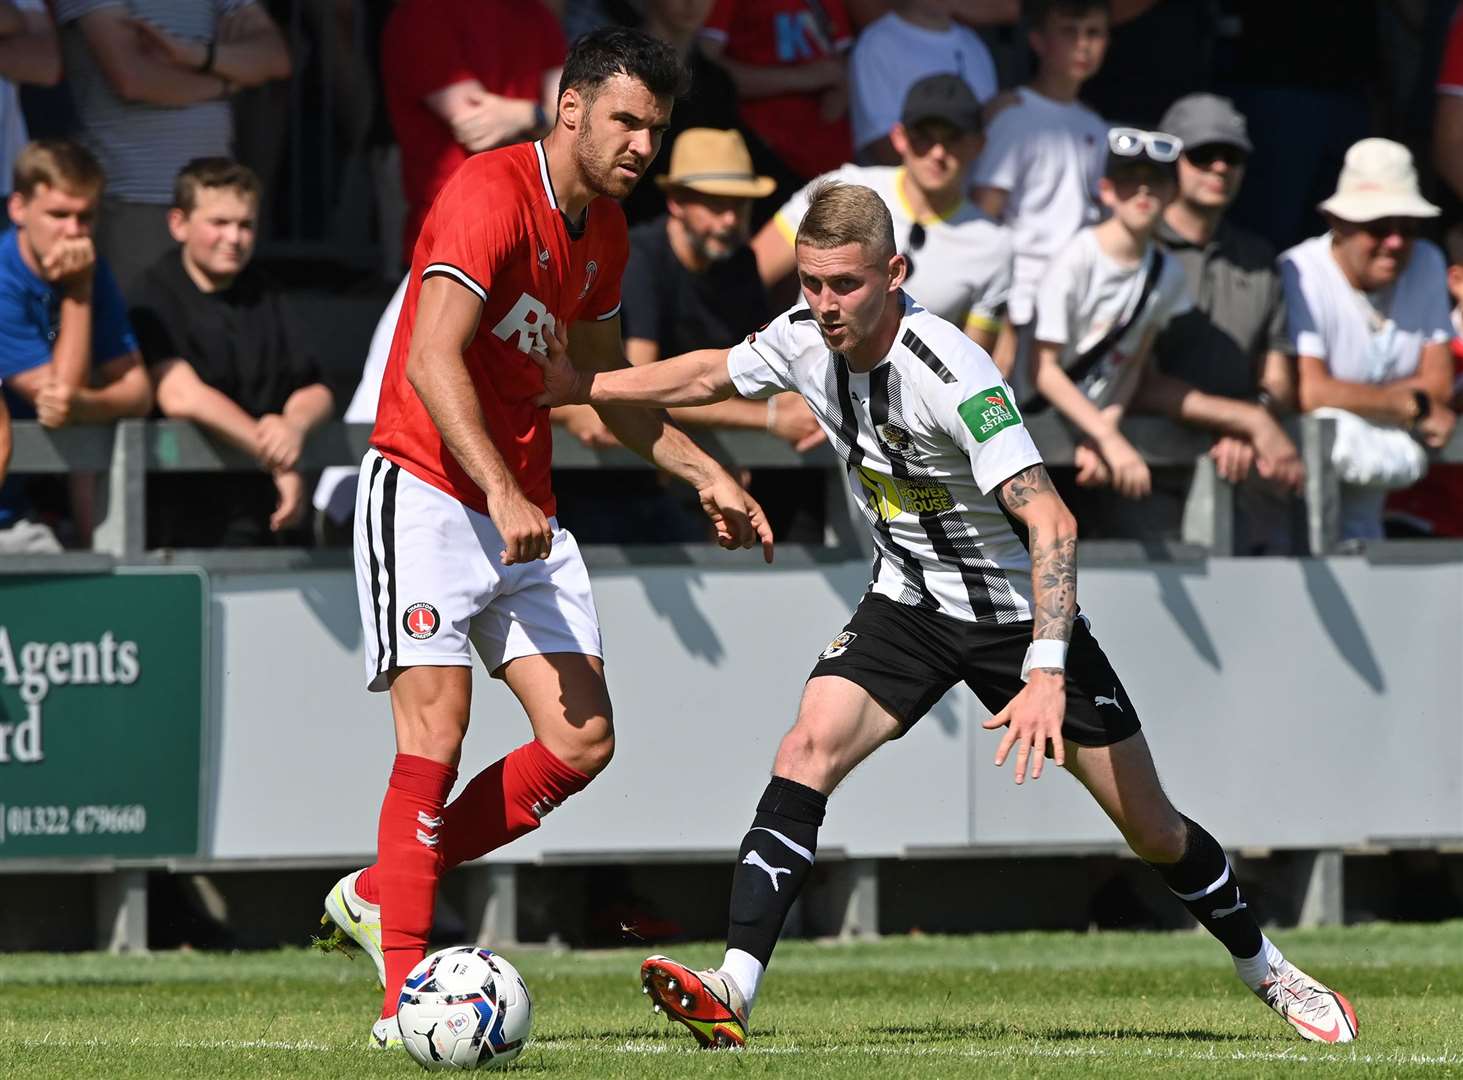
[1424,406]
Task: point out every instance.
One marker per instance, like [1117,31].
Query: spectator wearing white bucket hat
[1368,315]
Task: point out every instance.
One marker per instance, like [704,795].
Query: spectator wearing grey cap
[918,38]
[959,259]
[1226,365]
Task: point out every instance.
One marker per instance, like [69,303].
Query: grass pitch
[920,1007]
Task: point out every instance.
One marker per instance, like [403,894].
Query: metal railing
[124,454]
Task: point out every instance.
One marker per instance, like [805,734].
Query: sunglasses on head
[1204,157]
[1135,143]
[1382,228]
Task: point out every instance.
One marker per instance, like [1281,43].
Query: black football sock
[776,856]
[1204,881]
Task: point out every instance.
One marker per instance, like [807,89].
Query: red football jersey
[496,230]
[785,33]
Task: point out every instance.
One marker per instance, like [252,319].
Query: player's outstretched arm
[447,319]
[598,373]
[1034,716]
[600,377]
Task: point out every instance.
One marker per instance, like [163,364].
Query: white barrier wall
[1309,703]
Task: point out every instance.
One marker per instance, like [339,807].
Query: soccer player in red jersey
[456,543]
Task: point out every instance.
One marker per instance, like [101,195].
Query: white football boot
[385,1034]
[1317,1012]
[357,920]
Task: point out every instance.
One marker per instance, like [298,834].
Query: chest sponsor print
[890,496]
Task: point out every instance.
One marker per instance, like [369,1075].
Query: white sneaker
[1317,1012]
[385,1034]
[357,920]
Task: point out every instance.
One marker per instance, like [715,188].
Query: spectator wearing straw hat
[692,281]
[1368,315]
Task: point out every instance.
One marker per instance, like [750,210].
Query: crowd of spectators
[1222,212]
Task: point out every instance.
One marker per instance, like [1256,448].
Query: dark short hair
[1036,12]
[602,54]
[212,172]
[58,163]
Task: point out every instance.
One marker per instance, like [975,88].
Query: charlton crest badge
[591,268]
[421,621]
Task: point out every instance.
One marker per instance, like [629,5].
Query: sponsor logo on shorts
[894,439]
[421,621]
[838,646]
[989,412]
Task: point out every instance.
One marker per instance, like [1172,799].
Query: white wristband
[1047,653]
[771,411]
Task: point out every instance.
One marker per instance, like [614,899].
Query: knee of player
[591,748]
[805,754]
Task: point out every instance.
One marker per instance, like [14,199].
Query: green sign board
[101,714]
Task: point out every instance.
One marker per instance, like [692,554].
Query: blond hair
[840,214]
[60,164]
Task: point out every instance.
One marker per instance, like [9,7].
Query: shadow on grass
[948,1031]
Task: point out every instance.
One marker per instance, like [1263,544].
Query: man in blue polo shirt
[67,351]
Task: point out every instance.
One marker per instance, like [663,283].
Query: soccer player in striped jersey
[975,580]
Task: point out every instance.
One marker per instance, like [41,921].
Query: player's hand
[1130,475]
[277,442]
[584,424]
[1276,458]
[54,402]
[792,420]
[1092,471]
[1437,428]
[1033,720]
[522,525]
[69,263]
[1233,458]
[290,486]
[180,52]
[564,384]
[739,521]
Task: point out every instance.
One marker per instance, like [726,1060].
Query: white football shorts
[430,581]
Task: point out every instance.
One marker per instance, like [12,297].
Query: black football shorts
[907,658]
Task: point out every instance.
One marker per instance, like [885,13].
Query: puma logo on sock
[753,859]
[1219,913]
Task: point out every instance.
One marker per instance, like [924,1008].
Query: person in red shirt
[456,543]
[788,60]
[458,83]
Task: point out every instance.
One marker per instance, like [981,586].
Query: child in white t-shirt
[1102,301]
[1044,154]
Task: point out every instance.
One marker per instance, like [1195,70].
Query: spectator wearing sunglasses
[1368,312]
[1103,300]
[1044,153]
[1225,366]
[959,259]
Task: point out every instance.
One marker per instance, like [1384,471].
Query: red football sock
[506,800]
[408,864]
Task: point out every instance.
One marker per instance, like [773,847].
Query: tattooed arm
[1052,540]
[1033,718]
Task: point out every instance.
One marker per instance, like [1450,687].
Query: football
[464,1008]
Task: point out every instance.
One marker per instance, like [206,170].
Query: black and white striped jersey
[927,436]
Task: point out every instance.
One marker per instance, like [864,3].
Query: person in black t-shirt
[691,283]
[221,353]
